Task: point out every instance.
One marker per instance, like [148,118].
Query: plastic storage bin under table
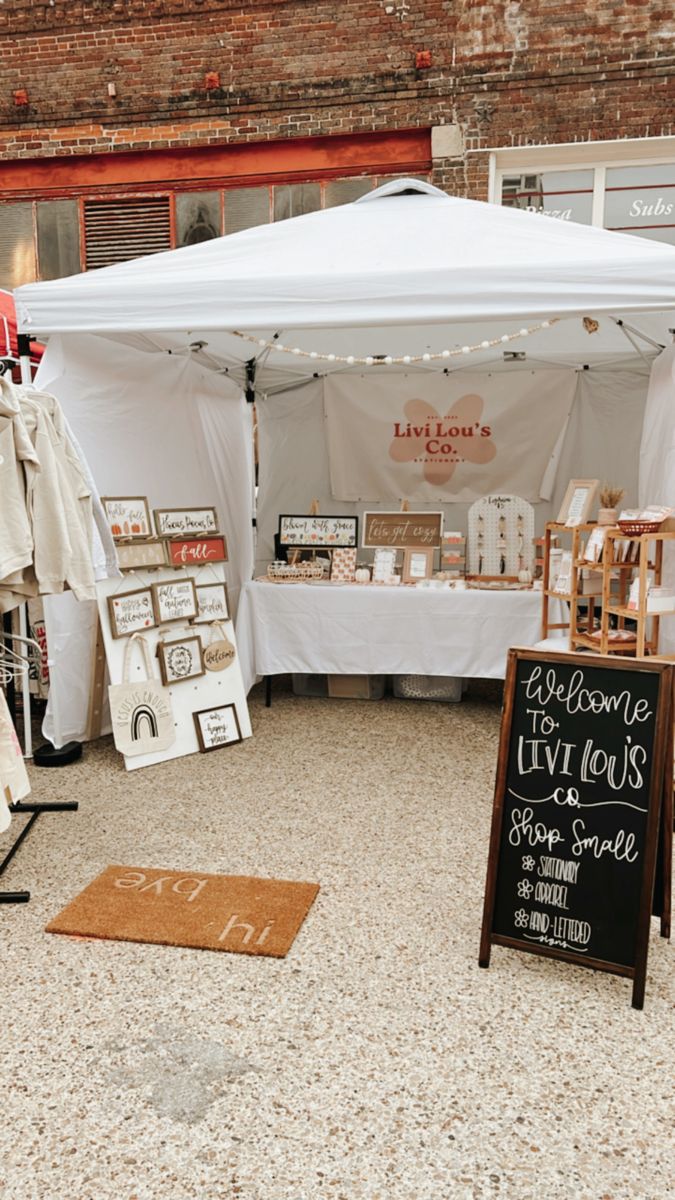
[342,687]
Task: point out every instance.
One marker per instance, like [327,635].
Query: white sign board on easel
[210,690]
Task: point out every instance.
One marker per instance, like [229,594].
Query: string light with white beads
[388,360]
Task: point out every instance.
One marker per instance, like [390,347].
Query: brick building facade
[128,126]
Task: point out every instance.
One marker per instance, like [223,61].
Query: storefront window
[197,217]
[292,200]
[344,191]
[641,200]
[49,239]
[17,246]
[625,186]
[245,208]
[58,238]
[566,195]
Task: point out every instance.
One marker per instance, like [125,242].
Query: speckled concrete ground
[375,1062]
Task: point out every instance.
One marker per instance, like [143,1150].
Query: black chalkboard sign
[582,811]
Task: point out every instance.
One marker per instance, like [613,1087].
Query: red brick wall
[508,72]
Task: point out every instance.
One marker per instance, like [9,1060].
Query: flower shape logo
[525,889]
[528,863]
[440,443]
[520,918]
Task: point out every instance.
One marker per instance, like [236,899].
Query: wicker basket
[637,528]
[278,572]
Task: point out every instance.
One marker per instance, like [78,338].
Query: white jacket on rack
[18,461]
[46,521]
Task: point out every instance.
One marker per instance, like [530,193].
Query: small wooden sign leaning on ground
[582,824]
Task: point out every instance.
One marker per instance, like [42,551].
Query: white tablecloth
[346,629]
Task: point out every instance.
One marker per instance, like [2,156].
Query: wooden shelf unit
[554,529]
[647,563]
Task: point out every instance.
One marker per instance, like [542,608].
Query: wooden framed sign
[577,501]
[127,516]
[417,564]
[196,552]
[213,603]
[322,533]
[174,601]
[181,658]
[217,727]
[184,522]
[130,612]
[384,564]
[141,552]
[584,785]
[402,529]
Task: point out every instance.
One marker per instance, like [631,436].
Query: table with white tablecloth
[361,629]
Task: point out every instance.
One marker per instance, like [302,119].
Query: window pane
[565,195]
[58,235]
[197,217]
[344,191]
[641,200]
[245,208]
[292,200]
[17,247]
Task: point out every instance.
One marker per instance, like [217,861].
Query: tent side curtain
[157,426]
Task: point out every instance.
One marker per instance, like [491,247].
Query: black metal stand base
[33,811]
[48,756]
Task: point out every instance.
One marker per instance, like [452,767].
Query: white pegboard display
[189,696]
[501,529]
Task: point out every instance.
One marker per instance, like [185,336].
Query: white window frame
[576,156]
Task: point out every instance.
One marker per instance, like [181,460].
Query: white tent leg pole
[26,377]
[25,691]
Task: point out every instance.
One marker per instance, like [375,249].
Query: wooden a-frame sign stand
[613,855]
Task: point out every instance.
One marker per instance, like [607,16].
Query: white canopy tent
[404,272]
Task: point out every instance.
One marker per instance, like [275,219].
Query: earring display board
[211,690]
[501,529]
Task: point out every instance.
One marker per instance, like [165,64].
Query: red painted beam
[237,164]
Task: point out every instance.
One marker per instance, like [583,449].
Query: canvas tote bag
[141,713]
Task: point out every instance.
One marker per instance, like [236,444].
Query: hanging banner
[444,437]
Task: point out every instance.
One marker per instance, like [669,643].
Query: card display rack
[579,592]
[608,625]
[647,566]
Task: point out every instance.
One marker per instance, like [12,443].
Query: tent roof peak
[403,187]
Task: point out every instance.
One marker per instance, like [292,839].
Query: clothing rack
[32,809]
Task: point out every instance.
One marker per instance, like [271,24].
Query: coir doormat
[175,908]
